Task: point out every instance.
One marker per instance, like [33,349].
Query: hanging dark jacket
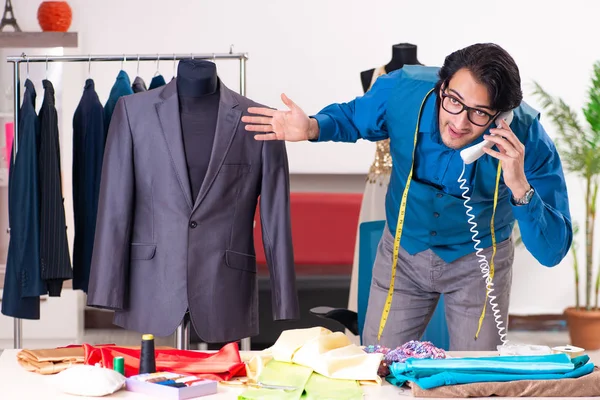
[54,247]
[88,150]
[157,82]
[22,283]
[138,85]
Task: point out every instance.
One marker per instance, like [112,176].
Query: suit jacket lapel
[228,120]
[168,114]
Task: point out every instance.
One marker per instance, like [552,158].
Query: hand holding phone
[471,154]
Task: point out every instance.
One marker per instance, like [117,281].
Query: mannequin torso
[402,54]
[198,92]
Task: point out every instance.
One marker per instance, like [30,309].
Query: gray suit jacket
[157,252]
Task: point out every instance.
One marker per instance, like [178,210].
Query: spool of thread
[147,355]
[119,365]
[571,351]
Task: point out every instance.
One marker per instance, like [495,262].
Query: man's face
[460,129]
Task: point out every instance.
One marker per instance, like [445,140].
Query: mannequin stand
[182,336]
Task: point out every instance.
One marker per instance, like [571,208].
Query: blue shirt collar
[429,119]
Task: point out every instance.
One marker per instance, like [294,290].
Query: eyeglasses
[454,106]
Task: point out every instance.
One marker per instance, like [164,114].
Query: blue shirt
[435,212]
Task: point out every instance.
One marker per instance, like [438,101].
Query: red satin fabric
[220,366]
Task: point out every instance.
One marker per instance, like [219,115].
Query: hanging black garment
[23,283]
[54,248]
[88,150]
[138,85]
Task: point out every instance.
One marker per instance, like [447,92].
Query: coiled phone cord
[487,269]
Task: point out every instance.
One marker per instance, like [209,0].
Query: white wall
[314,50]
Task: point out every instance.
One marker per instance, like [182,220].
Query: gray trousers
[420,279]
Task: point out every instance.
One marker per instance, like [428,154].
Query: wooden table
[18,384]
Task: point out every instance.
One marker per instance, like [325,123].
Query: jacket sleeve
[277,230]
[545,223]
[361,118]
[109,273]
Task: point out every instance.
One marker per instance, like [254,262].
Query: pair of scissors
[266,386]
[246,382]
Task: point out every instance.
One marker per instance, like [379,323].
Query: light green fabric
[280,373]
[311,385]
[320,387]
[269,394]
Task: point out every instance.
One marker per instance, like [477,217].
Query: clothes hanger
[157,73]
[174,62]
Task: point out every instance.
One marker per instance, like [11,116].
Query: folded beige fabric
[585,386]
[50,361]
[328,353]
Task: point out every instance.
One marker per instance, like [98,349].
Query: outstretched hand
[293,125]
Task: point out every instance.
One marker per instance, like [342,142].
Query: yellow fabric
[331,354]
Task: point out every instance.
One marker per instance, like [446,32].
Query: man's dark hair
[491,66]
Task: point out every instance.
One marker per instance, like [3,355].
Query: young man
[443,111]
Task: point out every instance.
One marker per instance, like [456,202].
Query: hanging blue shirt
[435,213]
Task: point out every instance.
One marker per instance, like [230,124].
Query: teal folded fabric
[429,373]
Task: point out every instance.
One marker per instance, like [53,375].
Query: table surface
[17,383]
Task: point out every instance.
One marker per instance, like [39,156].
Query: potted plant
[579,149]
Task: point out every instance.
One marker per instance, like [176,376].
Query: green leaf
[592,109]
[579,150]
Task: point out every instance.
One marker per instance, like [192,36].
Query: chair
[370,234]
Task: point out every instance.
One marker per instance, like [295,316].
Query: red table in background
[323,232]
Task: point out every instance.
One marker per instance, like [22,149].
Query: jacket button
[435,214]
[439,195]
[433,233]
[193,224]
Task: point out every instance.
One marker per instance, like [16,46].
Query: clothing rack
[183,330]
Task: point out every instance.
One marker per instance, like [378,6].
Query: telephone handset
[471,154]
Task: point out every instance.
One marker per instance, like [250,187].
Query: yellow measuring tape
[402,213]
[498,172]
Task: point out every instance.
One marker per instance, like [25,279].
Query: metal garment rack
[183,330]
